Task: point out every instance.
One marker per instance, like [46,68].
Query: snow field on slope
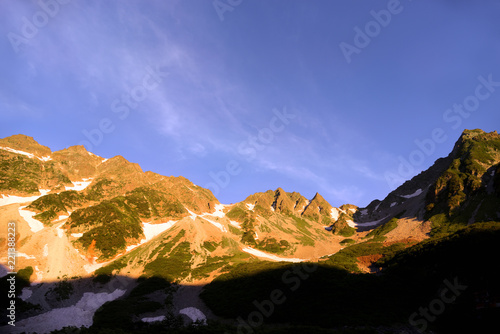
[29,155]
[8,199]
[219,210]
[334,213]
[272,257]
[416,193]
[235,224]
[77,315]
[34,224]
[194,314]
[151,231]
[79,185]
[372,223]
[203,216]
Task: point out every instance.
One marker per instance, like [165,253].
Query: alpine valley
[101,246]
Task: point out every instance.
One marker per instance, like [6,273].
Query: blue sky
[245,96]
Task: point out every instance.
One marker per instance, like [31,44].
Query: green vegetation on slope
[383,229]
[116,223]
[110,223]
[172,267]
[346,259]
[341,227]
[101,188]
[461,193]
[247,220]
[149,203]
[272,245]
[26,175]
[52,205]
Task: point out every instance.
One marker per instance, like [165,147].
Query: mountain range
[104,227]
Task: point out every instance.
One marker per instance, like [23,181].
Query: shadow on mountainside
[116,302]
[441,284]
[444,284]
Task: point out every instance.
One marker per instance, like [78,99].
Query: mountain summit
[461,188]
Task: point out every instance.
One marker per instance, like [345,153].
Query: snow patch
[34,224]
[372,222]
[90,268]
[235,224]
[6,200]
[77,235]
[150,231]
[327,255]
[192,214]
[219,211]
[194,314]
[272,208]
[79,185]
[416,193]
[216,224]
[77,315]
[62,217]
[26,294]
[26,256]
[393,204]
[43,192]
[355,225]
[29,155]
[60,231]
[39,274]
[153,319]
[334,213]
[250,206]
[272,257]
[364,212]
[46,250]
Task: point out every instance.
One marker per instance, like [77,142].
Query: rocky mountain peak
[118,165]
[282,202]
[318,209]
[25,144]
